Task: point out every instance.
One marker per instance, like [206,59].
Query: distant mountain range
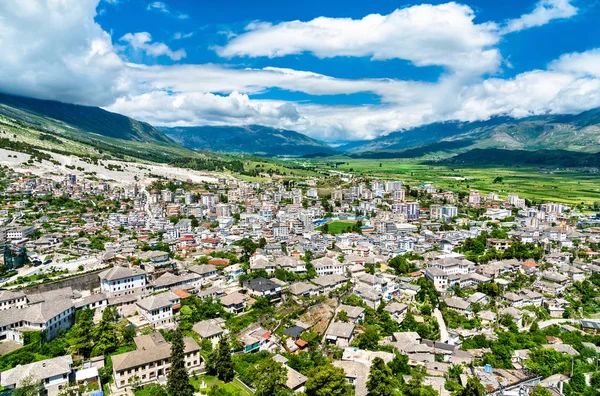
[500,140]
[580,132]
[85,119]
[250,139]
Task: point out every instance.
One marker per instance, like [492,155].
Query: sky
[335,70]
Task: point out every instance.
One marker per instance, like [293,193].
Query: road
[547,323]
[440,319]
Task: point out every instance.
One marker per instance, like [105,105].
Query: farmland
[567,186]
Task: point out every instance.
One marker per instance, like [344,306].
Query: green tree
[28,386]
[368,339]
[577,382]
[539,390]
[269,378]
[224,362]
[399,365]
[455,371]
[81,339]
[178,383]
[106,336]
[473,388]
[327,381]
[381,382]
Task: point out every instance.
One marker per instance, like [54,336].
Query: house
[355,314]
[158,309]
[151,360]
[302,289]
[47,316]
[340,334]
[487,317]
[53,374]
[12,299]
[327,266]
[438,277]
[254,338]
[291,264]
[295,381]
[459,305]
[396,310]
[207,272]
[120,281]
[234,302]
[233,272]
[263,288]
[169,280]
[329,283]
[211,329]
[370,296]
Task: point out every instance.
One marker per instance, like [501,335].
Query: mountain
[84,119]
[539,158]
[580,132]
[250,139]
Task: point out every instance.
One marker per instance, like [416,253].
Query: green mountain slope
[84,119]
[580,132]
[250,139]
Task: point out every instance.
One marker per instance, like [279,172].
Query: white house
[158,309]
[121,281]
[53,374]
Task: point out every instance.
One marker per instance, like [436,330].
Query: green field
[542,185]
[234,388]
[338,226]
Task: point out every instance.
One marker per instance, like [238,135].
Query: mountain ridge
[247,139]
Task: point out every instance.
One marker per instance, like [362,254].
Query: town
[335,285]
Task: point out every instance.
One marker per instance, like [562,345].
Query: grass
[234,387]
[571,187]
[338,226]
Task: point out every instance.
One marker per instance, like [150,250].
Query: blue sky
[336,70]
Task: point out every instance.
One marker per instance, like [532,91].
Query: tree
[473,388]
[28,386]
[327,381]
[156,390]
[107,340]
[224,362]
[399,365]
[81,340]
[269,378]
[577,382]
[368,339]
[455,371]
[178,383]
[381,382]
[538,390]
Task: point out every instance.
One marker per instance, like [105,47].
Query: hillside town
[339,285]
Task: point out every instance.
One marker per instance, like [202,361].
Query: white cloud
[162,108]
[142,41]
[426,35]
[69,57]
[180,35]
[55,50]
[544,12]
[158,6]
[580,63]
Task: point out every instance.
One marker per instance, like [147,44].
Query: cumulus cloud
[142,41]
[55,50]
[162,108]
[544,12]
[71,58]
[158,6]
[581,63]
[426,35]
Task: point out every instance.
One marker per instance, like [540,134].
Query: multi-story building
[52,374]
[151,360]
[158,309]
[48,317]
[120,281]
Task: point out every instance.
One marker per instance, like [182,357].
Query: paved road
[547,323]
[440,319]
